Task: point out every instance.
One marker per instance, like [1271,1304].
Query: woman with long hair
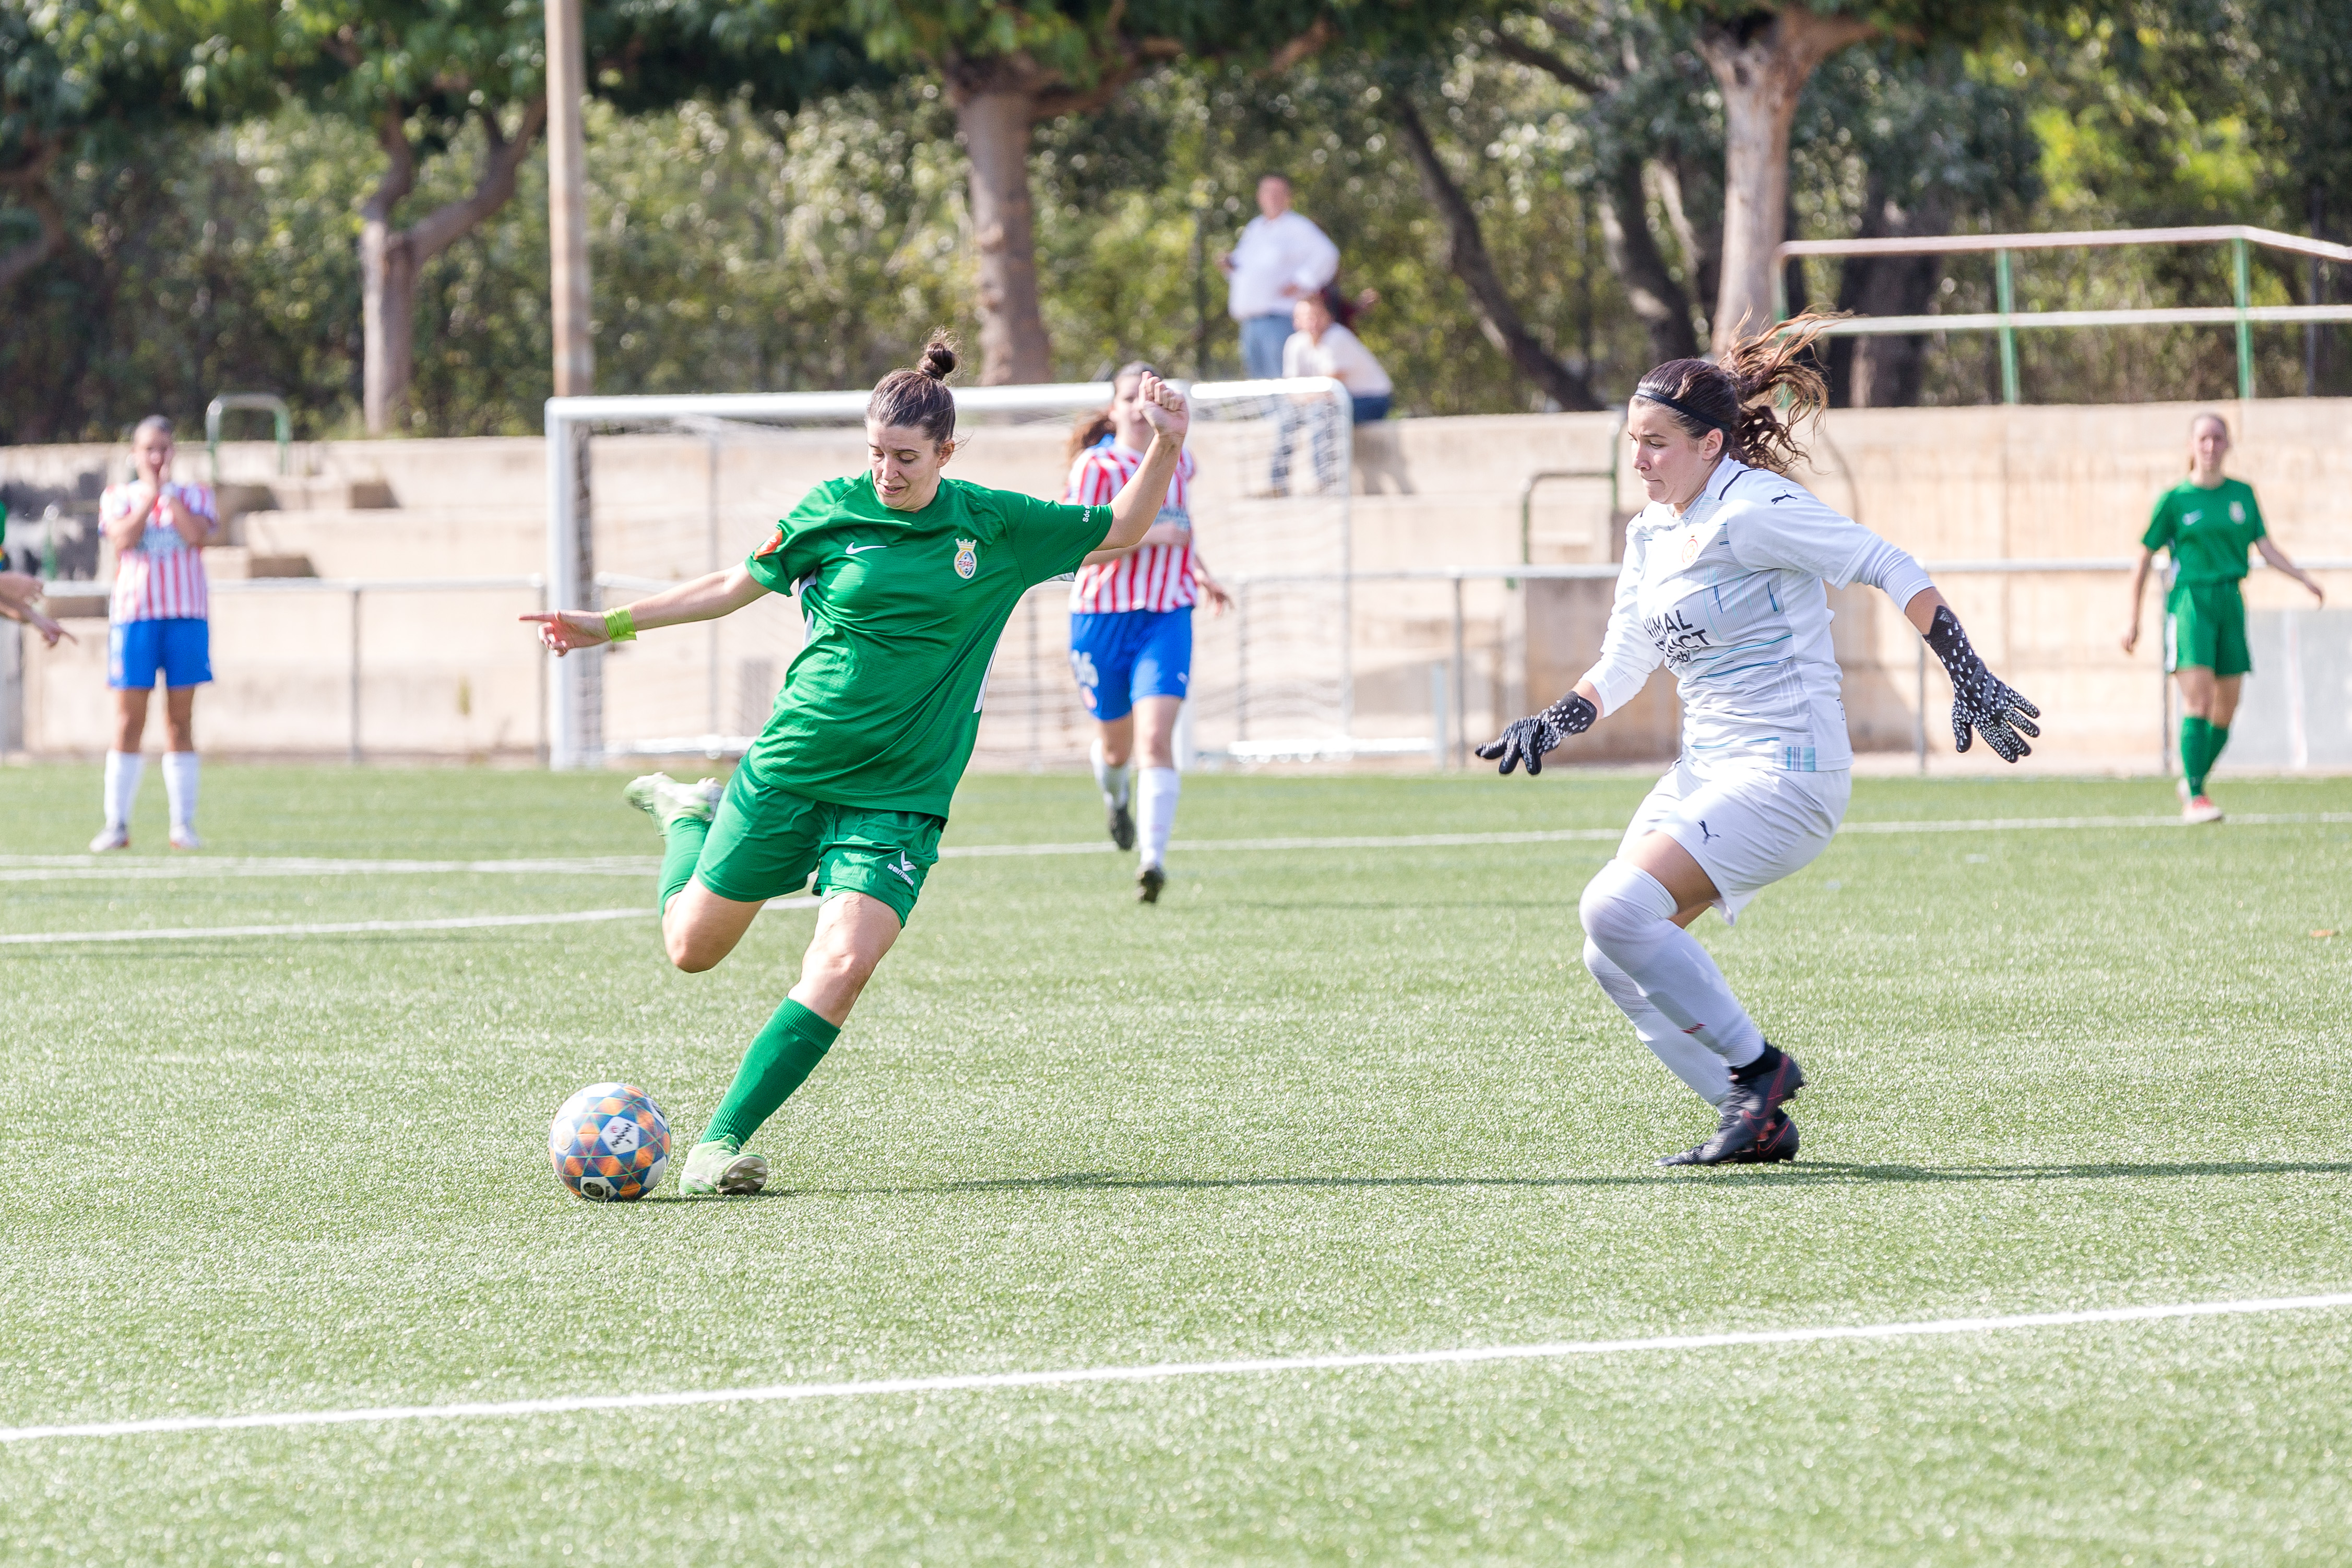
[2206,523]
[906,579]
[1131,629]
[1723,584]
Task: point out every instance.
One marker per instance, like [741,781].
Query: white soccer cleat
[184,837]
[116,837]
[2201,809]
[665,800]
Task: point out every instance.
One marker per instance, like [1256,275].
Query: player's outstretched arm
[18,594]
[700,599]
[1527,739]
[2277,558]
[2138,591]
[1137,506]
[1980,699]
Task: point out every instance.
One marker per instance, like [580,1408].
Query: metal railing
[2008,320]
[268,402]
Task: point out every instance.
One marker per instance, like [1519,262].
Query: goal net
[648,491]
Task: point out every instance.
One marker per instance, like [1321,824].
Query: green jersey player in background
[905,580]
[2207,522]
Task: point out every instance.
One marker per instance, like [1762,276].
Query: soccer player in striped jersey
[159,625]
[1723,585]
[1131,630]
[906,578]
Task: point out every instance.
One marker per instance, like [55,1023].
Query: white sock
[1706,1072]
[1111,780]
[180,787]
[1155,812]
[123,771]
[1628,915]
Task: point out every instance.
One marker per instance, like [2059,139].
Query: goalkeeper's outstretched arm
[700,599]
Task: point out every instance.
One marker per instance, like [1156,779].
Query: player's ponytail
[1764,389]
[919,399]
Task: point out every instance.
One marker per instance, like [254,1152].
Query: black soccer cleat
[1122,826]
[1148,883]
[1747,1113]
[1777,1144]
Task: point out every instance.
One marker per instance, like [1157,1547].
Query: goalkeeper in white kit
[1723,584]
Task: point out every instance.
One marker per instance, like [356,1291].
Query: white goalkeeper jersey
[1730,597]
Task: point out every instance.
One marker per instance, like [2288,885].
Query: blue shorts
[1121,658]
[182,649]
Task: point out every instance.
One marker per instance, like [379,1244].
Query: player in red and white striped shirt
[158,528]
[1131,628]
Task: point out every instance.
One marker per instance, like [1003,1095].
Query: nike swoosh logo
[853,549]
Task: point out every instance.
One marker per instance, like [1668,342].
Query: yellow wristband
[620,626]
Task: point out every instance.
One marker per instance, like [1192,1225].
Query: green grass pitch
[1318,1099]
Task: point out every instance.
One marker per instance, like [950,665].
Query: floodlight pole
[567,201]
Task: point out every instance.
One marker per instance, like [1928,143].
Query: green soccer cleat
[721,1169]
[665,800]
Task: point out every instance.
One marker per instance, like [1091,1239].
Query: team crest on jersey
[1690,549]
[2237,511]
[967,560]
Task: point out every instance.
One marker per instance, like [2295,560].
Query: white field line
[353,928]
[75,867]
[1165,1371]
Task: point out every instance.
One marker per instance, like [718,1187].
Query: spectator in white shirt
[1280,259]
[1321,346]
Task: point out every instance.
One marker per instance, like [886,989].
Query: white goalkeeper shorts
[1747,828]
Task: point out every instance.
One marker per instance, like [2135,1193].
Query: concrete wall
[453,675]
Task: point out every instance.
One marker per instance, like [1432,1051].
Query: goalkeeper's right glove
[1527,739]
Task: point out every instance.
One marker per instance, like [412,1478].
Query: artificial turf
[1318,1099]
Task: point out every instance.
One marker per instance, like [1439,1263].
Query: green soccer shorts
[765,841]
[2205,626]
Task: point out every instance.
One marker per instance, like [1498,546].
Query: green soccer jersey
[2207,531]
[880,706]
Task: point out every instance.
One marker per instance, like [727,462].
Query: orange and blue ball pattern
[610,1143]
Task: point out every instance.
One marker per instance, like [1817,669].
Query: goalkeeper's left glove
[1527,739]
[1979,699]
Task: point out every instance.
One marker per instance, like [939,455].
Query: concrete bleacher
[451,675]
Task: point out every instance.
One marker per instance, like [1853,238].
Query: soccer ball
[610,1143]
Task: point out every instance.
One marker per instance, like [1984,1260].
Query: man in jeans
[1280,259]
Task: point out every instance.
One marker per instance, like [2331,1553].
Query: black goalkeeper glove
[1980,697]
[1527,739]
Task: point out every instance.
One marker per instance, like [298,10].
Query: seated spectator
[1319,345]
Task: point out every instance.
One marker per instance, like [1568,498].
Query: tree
[1007,66]
[421,74]
[74,70]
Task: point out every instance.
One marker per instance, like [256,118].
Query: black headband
[1710,420]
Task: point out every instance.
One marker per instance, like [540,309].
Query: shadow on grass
[1824,1173]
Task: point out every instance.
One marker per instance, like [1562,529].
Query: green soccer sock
[681,848]
[781,1058]
[2196,745]
[2216,737]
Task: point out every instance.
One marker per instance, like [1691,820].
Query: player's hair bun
[938,360]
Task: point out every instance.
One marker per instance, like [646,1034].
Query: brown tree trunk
[392,259]
[1466,253]
[1761,62]
[29,185]
[996,102]
[1650,289]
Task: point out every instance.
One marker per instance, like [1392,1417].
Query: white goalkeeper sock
[1111,780]
[1155,812]
[123,771]
[180,787]
[1628,915]
[1706,1072]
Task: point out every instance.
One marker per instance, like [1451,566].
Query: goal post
[648,491]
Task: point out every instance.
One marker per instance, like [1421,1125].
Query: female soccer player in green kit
[906,579]
[2207,522]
